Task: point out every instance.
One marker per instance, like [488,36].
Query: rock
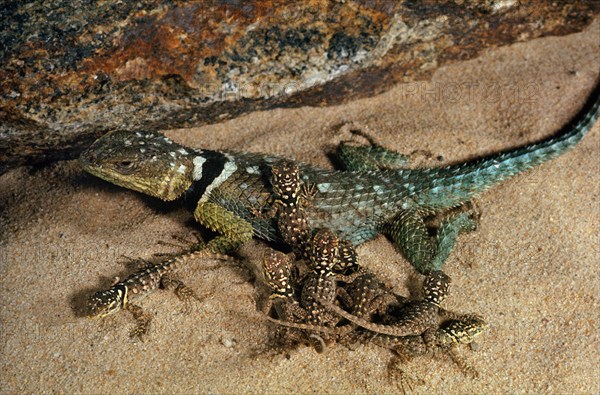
[73,70]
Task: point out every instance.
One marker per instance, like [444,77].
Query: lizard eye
[125,166]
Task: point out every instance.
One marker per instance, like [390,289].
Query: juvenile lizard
[148,278]
[446,337]
[290,199]
[429,331]
[415,317]
[226,190]
[320,284]
[277,271]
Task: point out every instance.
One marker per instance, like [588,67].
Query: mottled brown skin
[320,284]
[292,195]
[446,337]
[364,292]
[415,317]
[277,270]
[348,262]
[289,198]
[370,296]
[148,278]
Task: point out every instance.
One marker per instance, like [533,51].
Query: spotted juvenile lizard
[288,207]
[429,330]
[148,278]
[320,284]
[227,189]
[445,337]
[415,317]
[420,320]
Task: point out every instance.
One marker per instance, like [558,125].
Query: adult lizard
[227,190]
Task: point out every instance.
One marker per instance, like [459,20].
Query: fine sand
[530,268]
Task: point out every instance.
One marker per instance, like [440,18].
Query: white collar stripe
[228,169]
[198,165]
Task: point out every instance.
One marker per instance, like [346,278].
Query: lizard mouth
[84,159]
[88,165]
[89,161]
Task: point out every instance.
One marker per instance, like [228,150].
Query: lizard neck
[211,169]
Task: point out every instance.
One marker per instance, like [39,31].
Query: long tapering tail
[452,185]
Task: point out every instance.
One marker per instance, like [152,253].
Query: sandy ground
[530,269]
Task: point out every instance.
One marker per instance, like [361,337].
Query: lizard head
[465,330]
[108,302]
[146,162]
[286,182]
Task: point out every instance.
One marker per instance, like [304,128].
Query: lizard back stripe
[211,166]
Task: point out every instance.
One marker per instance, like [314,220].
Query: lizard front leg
[233,230]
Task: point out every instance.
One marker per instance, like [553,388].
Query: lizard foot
[184,242]
[143,321]
[182,291]
[400,378]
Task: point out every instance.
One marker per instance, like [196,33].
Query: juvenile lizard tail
[452,185]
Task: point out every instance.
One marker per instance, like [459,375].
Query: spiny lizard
[226,190]
[291,198]
[446,337]
[318,286]
[292,221]
[148,278]
[277,272]
[415,317]
[419,328]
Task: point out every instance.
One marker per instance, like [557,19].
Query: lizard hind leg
[427,253]
[373,156]
[408,231]
[182,291]
[367,157]
[466,220]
